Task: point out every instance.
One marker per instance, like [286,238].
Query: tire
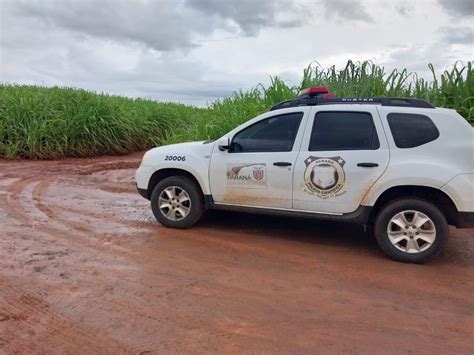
[400,239]
[183,212]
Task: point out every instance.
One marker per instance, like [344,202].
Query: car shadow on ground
[291,228]
[344,235]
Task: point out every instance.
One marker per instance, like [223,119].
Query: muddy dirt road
[85,268]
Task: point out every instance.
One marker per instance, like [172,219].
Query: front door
[257,170]
[343,153]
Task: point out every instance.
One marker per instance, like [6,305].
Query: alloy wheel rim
[411,231]
[174,203]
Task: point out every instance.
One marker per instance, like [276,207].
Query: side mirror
[223,143]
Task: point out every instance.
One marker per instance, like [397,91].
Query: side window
[274,134]
[343,130]
[411,130]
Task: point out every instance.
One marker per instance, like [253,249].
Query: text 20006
[175,158]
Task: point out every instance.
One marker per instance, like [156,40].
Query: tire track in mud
[144,221]
[63,227]
[55,211]
[15,208]
[12,202]
[25,203]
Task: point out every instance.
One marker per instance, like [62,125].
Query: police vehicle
[398,164]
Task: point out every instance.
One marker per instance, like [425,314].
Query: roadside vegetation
[48,123]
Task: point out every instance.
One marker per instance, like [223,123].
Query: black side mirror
[223,144]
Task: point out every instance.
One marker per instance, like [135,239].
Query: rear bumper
[465,220]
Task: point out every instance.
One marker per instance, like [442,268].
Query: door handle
[368,165]
[282,163]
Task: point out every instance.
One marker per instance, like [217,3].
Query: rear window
[343,130]
[411,130]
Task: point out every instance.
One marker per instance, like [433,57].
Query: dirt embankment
[85,268]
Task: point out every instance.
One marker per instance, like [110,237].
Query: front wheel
[177,202]
[411,230]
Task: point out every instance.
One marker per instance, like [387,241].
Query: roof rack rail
[383,101]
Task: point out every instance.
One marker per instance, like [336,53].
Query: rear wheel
[411,230]
[177,202]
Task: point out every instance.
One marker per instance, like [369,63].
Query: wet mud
[85,268]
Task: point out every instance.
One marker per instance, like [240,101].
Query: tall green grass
[45,123]
[48,123]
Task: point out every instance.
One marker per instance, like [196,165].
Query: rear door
[343,152]
[257,170]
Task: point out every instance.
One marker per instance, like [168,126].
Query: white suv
[399,164]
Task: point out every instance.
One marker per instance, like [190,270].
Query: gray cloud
[250,16]
[404,9]
[352,10]
[417,56]
[457,35]
[463,8]
[158,25]
[161,25]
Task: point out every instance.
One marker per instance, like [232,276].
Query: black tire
[390,210]
[195,197]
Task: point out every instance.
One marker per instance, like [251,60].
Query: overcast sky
[195,51]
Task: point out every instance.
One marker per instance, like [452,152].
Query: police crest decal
[325,176]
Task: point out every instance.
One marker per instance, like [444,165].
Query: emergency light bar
[316,91]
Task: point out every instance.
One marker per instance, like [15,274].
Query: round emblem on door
[325,176]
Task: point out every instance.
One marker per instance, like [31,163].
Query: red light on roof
[314,91]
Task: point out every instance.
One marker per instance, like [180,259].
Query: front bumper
[143,192]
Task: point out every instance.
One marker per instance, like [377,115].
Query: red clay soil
[85,268]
